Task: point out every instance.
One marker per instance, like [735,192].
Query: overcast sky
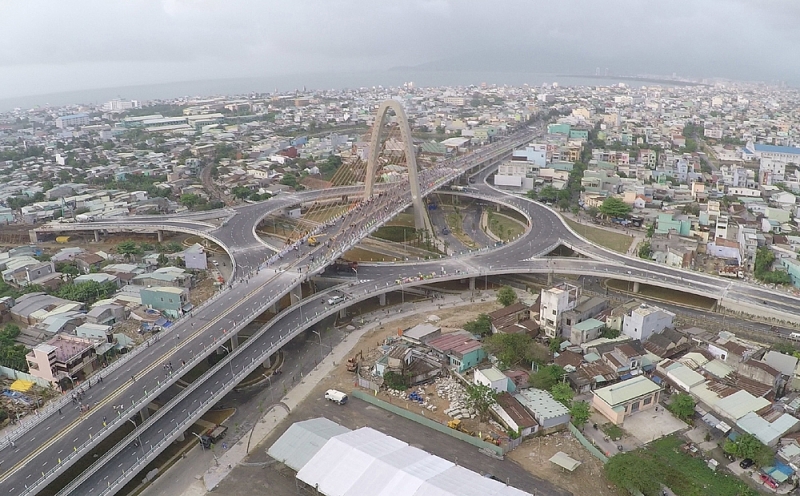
[64,45]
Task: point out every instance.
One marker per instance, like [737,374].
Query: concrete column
[144,413]
[296,294]
[96,236]
[34,237]
[636,287]
[275,307]
[160,236]
[382,299]
[268,362]
[549,278]
[182,437]
[472,284]
[344,199]
[234,341]
[497,207]
[343,313]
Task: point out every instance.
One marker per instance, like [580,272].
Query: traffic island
[259,376]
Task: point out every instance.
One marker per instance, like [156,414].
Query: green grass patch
[664,462]
[611,240]
[613,431]
[402,219]
[396,234]
[505,227]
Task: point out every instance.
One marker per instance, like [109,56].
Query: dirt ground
[534,455]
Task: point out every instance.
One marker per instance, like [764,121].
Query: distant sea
[316,81]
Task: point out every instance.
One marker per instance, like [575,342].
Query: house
[587,330]
[108,314]
[515,417]
[415,366]
[87,262]
[171,301]
[492,378]
[667,343]
[513,319]
[460,348]
[554,302]
[64,356]
[98,277]
[625,398]
[422,333]
[165,276]
[31,308]
[768,427]
[646,320]
[194,257]
[550,414]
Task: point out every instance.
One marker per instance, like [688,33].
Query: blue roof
[776,149]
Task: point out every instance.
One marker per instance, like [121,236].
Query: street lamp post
[271,391]
[319,335]
[229,361]
[199,439]
[138,435]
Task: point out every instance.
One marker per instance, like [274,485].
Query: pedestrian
[59,411]
[133,378]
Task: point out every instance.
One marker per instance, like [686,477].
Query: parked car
[746,463]
[337,397]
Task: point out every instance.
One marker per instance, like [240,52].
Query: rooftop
[625,391]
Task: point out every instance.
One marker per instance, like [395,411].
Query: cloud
[94,43]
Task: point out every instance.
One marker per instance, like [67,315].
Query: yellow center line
[57,437]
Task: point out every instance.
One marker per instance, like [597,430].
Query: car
[445,231]
[492,476]
[334,300]
[335,396]
[746,463]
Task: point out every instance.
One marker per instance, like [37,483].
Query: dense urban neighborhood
[630,386]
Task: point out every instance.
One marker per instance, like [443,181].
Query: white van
[335,299]
[337,397]
[795,336]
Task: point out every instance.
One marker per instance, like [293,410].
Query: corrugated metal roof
[740,404]
[620,393]
[302,440]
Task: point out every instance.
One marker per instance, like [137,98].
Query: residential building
[194,257]
[461,350]
[61,357]
[171,301]
[494,379]
[625,398]
[587,330]
[515,417]
[549,414]
[554,303]
[74,120]
[646,320]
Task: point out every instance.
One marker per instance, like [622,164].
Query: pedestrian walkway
[236,453]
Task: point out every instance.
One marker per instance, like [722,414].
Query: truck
[457,188]
[313,241]
[341,265]
[337,397]
[213,435]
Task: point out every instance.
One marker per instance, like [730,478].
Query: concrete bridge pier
[549,278]
[234,341]
[297,294]
[96,236]
[160,236]
[382,299]
[268,362]
[144,413]
[34,237]
[472,284]
[343,313]
[275,308]
[181,438]
[636,287]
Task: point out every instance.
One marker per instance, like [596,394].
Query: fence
[367,384]
[427,422]
[16,374]
[587,444]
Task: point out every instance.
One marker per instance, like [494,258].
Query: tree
[128,249]
[682,406]
[532,194]
[580,413]
[562,393]
[547,377]
[190,200]
[762,268]
[592,212]
[290,180]
[608,332]
[555,345]
[511,349]
[614,207]
[548,194]
[563,204]
[506,296]
[748,446]
[241,192]
[632,471]
[480,397]
[645,250]
[481,325]
[651,229]
[393,380]
[162,260]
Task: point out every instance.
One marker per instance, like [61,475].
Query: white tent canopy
[366,462]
